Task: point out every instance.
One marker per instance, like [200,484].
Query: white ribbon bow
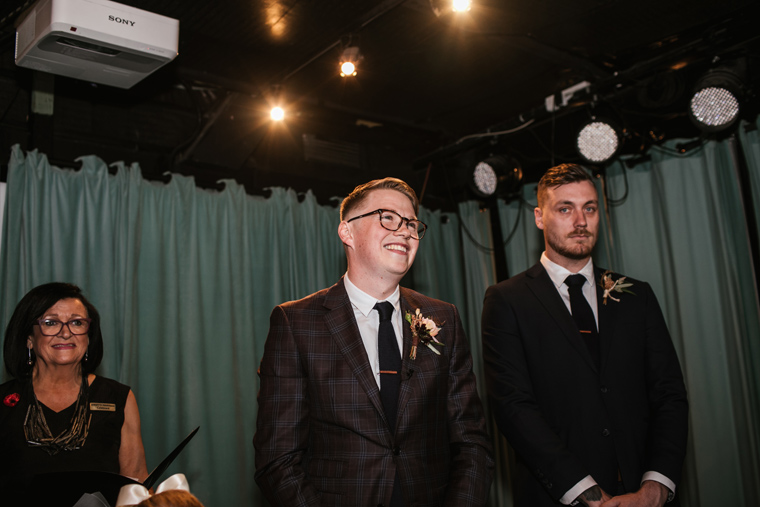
[133,494]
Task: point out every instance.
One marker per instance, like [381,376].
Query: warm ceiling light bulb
[347,69]
[461,5]
[277,113]
[349,59]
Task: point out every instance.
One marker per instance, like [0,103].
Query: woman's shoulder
[104,386]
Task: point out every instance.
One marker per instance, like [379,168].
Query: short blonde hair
[357,196]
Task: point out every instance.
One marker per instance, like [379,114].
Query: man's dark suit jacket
[322,437]
[564,418]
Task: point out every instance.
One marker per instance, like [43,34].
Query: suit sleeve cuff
[571,497]
[658,477]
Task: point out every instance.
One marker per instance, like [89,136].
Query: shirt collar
[558,274]
[363,301]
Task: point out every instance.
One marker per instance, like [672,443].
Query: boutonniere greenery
[423,330]
[609,285]
[11,400]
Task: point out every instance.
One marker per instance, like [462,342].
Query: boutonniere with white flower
[609,285]
[424,330]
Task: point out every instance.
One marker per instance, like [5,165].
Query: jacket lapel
[606,320]
[341,324]
[409,369]
[539,282]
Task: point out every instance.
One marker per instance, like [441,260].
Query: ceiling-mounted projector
[95,40]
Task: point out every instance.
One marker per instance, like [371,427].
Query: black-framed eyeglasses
[393,221]
[51,327]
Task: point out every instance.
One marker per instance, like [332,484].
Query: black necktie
[390,380]
[390,362]
[583,315]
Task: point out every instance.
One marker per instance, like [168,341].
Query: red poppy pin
[11,400]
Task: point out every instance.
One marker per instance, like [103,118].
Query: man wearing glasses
[356,407]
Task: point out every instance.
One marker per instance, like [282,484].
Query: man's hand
[594,496]
[651,494]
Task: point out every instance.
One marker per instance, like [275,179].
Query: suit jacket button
[396,451]
[604,389]
[605,432]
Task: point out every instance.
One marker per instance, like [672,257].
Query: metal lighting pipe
[497,238]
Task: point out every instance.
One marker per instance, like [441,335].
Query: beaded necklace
[38,433]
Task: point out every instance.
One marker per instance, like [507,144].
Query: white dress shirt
[558,274]
[368,320]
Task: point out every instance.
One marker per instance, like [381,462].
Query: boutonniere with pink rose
[424,330]
[609,285]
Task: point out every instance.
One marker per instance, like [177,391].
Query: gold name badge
[103,407]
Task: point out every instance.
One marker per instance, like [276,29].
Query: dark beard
[577,254]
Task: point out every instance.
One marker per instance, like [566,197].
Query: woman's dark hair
[33,306]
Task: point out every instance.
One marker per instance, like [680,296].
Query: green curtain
[750,139]
[185,280]
[3,187]
[681,228]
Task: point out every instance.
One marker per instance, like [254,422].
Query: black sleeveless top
[100,451]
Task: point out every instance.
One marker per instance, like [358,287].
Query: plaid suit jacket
[322,437]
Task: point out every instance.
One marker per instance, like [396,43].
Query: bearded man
[581,372]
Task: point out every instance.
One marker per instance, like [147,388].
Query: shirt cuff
[571,497]
[658,477]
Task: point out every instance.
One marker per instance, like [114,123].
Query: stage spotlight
[349,60]
[715,104]
[497,175]
[598,141]
[441,7]
[461,5]
[277,113]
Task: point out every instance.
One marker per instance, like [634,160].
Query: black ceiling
[427,80]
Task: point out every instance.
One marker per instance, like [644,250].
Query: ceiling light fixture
[277,113]
[349,60]
[461,5]
[446,6]
[495,175]
[598,140]
[716,102]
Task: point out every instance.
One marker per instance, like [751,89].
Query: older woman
[57,415]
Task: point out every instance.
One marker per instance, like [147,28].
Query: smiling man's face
[376,253]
